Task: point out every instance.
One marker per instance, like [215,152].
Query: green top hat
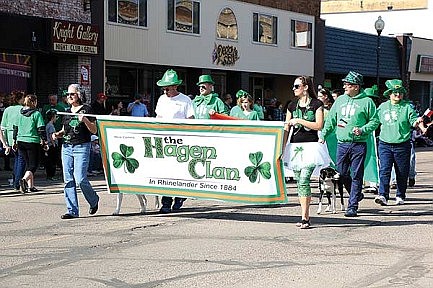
[169,79]
[205,79]
[372,92]
[354,78]
[394,85]
[241,93]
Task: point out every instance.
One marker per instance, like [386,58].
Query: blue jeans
[19,169]
[75,160]
[397,155]
[350,158]
[412,168]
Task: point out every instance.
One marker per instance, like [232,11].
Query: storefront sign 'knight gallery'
[210,159]
[73,37]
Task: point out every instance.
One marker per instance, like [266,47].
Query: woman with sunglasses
[76,132]
[397,117]
[303,153]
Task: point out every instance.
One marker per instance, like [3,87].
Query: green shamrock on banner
[129,164]
[254,172]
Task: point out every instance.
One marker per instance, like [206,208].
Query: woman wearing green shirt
[30,134]
[397,117]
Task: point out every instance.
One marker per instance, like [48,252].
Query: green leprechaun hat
[394,85]
[205,79]
[169,79]
[372,92]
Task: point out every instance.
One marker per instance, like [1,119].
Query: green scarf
[206,99]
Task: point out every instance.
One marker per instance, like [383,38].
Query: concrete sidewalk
[215,244]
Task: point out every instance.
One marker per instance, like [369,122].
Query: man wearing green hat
[397,117]
[172,105]
[207,102]
[353,117]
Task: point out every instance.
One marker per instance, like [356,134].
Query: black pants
[51,161]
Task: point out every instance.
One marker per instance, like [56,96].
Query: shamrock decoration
[119,159]
[264,169]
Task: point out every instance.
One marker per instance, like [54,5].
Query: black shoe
[411,182]
[34,189]
[68,216]
[178,203]
[165,210]
[93,210]
[351,213]
[24,187]
[360,197]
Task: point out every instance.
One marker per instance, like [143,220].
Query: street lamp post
[379,24]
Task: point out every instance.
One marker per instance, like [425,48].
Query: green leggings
[303,180]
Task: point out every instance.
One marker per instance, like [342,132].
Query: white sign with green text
[226,160]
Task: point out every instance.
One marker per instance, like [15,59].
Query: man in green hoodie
[353,117]
[208,101]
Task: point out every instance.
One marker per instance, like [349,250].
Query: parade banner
[225,160]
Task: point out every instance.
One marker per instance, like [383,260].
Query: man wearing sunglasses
[208,102]
[353,117]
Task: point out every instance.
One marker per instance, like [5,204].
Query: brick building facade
[48,68]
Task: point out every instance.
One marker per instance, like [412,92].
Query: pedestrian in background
[8,121]
[52,154]
[228,100]
[76,132]
[99,106]
[172,105]
[137,108]
[30,136]
[353,117]
[303,153]
[397,117]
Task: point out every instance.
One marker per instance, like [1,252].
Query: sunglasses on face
[202,87]
[296,86]
[71,94]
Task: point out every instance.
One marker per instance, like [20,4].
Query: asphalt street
[215,244]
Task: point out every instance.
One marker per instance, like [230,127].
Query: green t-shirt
[238,113]
[28,127]
[396,121]
[9,120]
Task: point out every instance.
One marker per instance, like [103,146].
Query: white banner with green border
[225,160]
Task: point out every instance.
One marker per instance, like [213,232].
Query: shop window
[130,12]
[301,34]
[264,28]
[227,26]
[184,16]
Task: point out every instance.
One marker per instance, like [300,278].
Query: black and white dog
[329,183]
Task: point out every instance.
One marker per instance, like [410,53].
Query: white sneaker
[399,201]
[381,200]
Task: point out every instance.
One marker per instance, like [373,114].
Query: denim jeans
[412,168]
[75,160]
[350,158]
[397,155]
[19,169]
